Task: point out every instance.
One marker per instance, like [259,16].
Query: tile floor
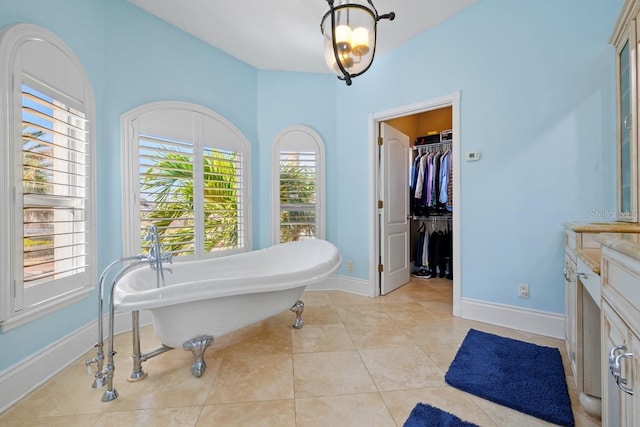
[357,362]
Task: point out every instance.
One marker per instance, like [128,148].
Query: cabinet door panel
[634,374]
[616,403]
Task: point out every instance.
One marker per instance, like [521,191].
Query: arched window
[47,252]
[297,185]
[186,170]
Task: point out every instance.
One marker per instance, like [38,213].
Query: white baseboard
[25,376]
[527,320]
[344,283]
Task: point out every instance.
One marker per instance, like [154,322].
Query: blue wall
[537,100]
[131,58]
[286,99]
[537,85]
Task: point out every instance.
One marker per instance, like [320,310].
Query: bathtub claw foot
[197,346]
[298,308]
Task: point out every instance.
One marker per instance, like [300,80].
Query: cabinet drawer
[590,280]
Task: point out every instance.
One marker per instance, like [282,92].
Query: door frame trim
[452,100]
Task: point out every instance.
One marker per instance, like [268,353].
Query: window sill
[46,308]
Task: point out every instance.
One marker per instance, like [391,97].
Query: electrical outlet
[349,265]
[523,290]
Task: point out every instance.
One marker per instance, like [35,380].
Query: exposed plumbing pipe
[110,393]
[98,360]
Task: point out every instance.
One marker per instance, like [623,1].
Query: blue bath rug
[523,376]
[424,415]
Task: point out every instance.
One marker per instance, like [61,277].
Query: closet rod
[436,145]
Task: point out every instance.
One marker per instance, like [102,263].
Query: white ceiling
[285,34]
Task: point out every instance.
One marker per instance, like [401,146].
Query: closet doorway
[394,232]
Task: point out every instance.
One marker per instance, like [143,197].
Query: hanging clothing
[444,178]
[430,183]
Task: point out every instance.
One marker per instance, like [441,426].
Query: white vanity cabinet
[620,320]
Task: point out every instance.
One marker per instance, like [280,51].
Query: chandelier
[349,31]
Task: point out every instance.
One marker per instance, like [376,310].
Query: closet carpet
[357,361]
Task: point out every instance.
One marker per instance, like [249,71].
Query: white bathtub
[216,296]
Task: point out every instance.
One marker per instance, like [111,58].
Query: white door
[394,215]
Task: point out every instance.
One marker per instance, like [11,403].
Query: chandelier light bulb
[360,41]
[343,38]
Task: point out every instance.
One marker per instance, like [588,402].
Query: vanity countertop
[625,243]
[603,227]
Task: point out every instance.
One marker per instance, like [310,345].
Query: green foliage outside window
[297,201]
[169,186]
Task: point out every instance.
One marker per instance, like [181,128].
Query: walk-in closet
[431,170]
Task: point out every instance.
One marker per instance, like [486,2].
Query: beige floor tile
[253,378]
[436,332]
[263,338]
[274,413]
[583,420]
[408,314]
[178,417]
[434,290]
[377,335]
[363,313]
[314,298]
[338,411]
[67,393]
[320,315]
[503,416]
[441,354]
[330,373]
[314,338]
[169,383]
[449,399]
[344,298]
[401,368]
[437,307]
[61,421]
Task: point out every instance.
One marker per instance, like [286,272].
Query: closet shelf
[435,217]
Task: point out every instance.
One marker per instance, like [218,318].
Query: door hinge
[380,204]
[380,140]
[380,268]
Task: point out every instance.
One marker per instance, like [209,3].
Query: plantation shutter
[54,192]
[193,195]
[166,191]
[298,204]
[223,188]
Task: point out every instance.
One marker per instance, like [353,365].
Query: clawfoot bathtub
[205,299]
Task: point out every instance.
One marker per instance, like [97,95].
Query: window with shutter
[189,172]
[298,185]
[298,204]
[54,188]
[49,259]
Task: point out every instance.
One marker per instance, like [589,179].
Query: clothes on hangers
[434,251]
[430,179]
